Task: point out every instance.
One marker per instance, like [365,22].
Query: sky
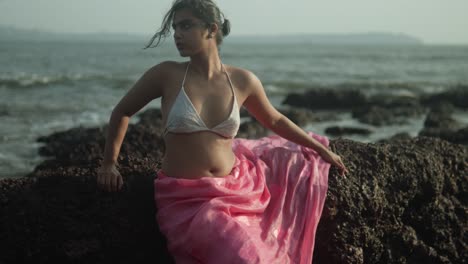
[432,21]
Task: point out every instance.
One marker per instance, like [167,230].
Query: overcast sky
[433,21]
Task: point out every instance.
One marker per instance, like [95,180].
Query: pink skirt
[265,211]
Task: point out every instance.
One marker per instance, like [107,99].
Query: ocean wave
[4,110]
[366,87]
[26,81]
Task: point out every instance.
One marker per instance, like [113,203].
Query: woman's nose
[177,34]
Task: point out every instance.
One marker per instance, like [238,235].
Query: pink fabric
[265,211]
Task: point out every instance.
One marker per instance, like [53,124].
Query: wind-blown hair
[205,10]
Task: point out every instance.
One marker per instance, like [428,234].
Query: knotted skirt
[266,210]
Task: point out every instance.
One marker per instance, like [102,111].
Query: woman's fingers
[109,180]
[101,180]
[336,160]
[116,181]
[342,167]
[119,182]
[345,171]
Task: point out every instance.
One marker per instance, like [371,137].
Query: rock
[380,115]
[440,119]
[76,145]
[456,95]
[80,150]
[457,136]
[460,136]
[340,131]
[251,129]
[375,115]
[402,202]
[403,136]
[244,113]
[327,99]
[443,107]
[395,101]
[440,124]
[300,117]
[65,218]
[377,110]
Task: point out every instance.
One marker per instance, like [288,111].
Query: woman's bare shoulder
[241,77]
[168,67]
[164,73]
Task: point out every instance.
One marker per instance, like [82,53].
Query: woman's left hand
[334,160]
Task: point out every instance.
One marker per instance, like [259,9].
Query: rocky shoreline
[404,201]
[391,109]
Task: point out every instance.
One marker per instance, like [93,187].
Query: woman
[240,192]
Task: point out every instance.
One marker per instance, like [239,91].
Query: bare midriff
[196,155]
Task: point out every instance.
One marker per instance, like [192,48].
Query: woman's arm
[259,106]
[146,89]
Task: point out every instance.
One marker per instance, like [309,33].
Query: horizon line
[254,35]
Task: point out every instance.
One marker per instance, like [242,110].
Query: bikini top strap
[229,78]
[186,70]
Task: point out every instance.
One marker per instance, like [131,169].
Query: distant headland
[12,34]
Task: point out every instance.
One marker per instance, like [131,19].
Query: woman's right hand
[109,178]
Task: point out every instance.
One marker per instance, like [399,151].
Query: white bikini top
[183,118]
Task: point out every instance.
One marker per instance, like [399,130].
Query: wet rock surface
[340,131]
[457,95]
[383,110]
[404,201]
[440,124]
[322,98]
[392,109]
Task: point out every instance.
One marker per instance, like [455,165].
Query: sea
[46,87]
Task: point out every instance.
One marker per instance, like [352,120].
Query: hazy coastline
[12,34]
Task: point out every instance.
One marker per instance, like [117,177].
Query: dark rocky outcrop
[340,131]
[376,110]
[440,124]
[456,95]
[381,115]
[380,109]
[354,97]
[252,129]
[403,136]
[322,98]
[440,120]
[387,109]
[301,117]
[402,202]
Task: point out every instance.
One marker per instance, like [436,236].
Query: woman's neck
[206,64]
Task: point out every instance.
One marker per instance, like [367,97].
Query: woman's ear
[213,30]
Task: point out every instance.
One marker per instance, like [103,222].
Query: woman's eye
[185,26]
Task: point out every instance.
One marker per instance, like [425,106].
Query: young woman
[221,199]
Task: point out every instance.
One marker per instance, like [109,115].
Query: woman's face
[190,33]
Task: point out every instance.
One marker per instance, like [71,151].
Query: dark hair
[206,10]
